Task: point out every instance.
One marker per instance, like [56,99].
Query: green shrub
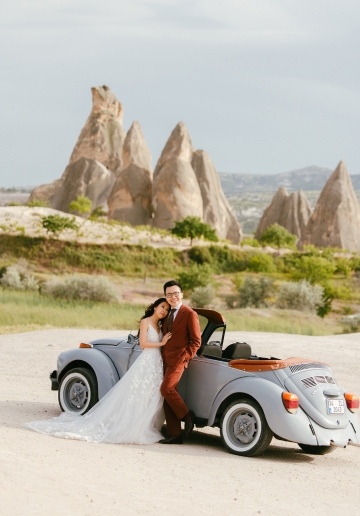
[250,241]
[203,296]
[200,254]
[277,236]
[355,264]
[343,266]
[85,288]
[314,269]
[255,292]
[260,262]
[19,277]
[300,296]
[351,323]
[195,276]
[38,203]
[56,224]
[98,213]
[81,205]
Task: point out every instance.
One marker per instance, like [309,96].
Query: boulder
[216,210]
[103,135]
[47,192]
[130,198]
[176,191]
[84,177]
[290,211]
[335,221]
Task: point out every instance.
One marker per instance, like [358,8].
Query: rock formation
[336,218]
[99,145]
[84,177]
[47,192]
[176,192]
[103,135]
[290,211]
[216,210]
[114,170]
[130,199]
[187,183]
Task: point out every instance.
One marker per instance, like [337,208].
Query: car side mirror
[132,340]
[214,343]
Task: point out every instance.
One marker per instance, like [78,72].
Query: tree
[56,224]
[192,227]
[276,235]
[82,205]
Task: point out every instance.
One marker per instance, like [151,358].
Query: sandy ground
[44,475]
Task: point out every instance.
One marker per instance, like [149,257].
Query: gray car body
[210,384]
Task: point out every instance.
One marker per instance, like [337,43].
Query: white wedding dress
[131,412]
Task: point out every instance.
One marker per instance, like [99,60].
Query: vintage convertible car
[252,399]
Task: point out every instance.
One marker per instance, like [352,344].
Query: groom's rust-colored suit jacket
[185,340]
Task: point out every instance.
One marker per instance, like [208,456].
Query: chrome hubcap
[244,427]
[76,394]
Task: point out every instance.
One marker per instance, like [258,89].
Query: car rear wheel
[316,450]
[78,391]
[244,429]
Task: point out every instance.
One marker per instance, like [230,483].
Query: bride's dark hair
[149,311]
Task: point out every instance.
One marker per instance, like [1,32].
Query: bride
[132,411]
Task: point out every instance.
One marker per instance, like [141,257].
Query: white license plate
[335,406]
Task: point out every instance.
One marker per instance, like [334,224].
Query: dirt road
[43,475]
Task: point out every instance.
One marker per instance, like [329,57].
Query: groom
[184,325]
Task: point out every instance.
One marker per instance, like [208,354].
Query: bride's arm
[144,325]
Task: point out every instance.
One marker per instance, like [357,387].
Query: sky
[263,86]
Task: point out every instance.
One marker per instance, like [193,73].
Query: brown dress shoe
[172,439]
[189,425]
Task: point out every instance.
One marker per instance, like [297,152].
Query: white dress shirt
[177,308]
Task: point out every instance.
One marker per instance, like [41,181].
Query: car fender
[292,427]
[104,369]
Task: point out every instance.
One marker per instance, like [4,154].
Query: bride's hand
[165,339]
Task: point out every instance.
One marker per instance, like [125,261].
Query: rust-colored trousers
[174,406]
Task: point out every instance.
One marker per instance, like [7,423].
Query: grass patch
[37,312]
[27,311]
[130,260]
[279,321]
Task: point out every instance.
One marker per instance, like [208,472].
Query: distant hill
[307,179]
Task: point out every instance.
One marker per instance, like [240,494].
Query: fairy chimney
[336,218]
[216,209]
[130,198]
[176,192]
[290,211]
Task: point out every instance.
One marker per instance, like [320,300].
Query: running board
[350,443]
[337,445]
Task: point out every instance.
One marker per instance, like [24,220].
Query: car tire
[316,450]
[244,429]
[78,391]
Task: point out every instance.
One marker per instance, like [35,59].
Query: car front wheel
[78,391]
[316,450]
[243,428]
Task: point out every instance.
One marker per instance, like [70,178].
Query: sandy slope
[44,475]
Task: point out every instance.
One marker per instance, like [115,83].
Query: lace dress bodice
[131,412]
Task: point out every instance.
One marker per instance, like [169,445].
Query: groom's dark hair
[172,283]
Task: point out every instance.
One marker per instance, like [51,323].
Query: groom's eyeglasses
[174,294]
